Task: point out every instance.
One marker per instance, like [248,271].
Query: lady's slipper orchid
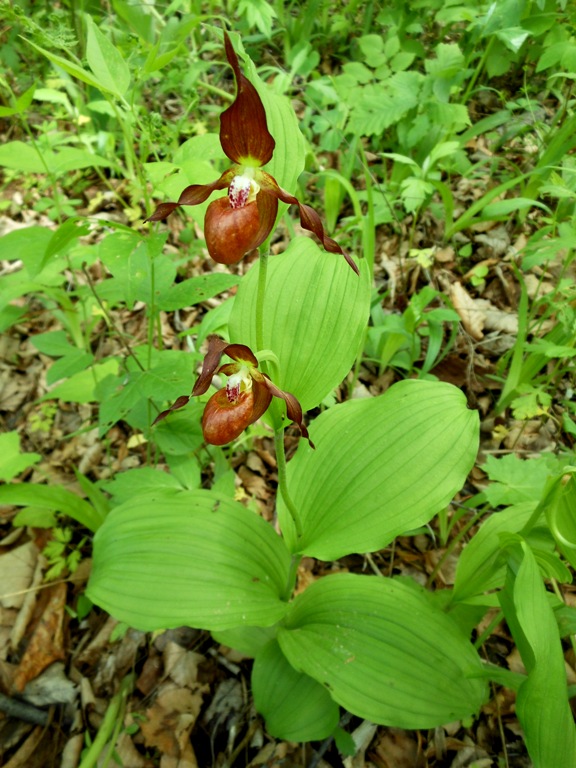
[242,401]
[236,224]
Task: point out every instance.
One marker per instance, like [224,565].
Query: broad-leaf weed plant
[172,543]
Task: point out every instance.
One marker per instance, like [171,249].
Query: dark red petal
[268,210]
[216,348]
[262,399]
[242,354]
[162,212]
[244,133]
[293,408]
[180,403]
[192,195]
[309,219]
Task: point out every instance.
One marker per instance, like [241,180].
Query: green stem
[282,485]
[114,713]
[262,273]
[480,66]
[292,576]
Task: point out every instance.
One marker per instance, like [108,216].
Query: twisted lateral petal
[293,408]
[192,195]
[244,133]
[180,403]
[309,219]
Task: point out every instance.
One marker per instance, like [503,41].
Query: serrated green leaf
[81,387]
[383,651]
[68,66]
[20,105]
[170,558]
[194,290]
[382,466]
[25,158]
[12,461]
[73,362]
[53,343]
[315,312]
[28,245]
[106,61]
[295,706]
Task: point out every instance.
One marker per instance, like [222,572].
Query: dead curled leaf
[171,717]
[47,641]
[471,316]
[480,314]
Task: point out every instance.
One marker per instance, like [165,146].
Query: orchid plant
[239,223]
[369,470]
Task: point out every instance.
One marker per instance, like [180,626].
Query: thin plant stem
[281,462]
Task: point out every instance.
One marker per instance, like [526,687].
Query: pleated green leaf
[382,466]
[295,707]
[174,558]
[383,651]
[315,312]
[542,705]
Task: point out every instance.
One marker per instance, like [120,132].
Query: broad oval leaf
[295,706]
[382,466]
[315,312]
[173,558]
[383,651]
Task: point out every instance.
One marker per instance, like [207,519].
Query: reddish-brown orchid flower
[236,224]
[242,401]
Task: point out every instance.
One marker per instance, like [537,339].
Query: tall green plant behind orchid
[236,224]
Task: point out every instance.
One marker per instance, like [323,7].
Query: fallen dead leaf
[47,641]
[171,717]
[394,748]
[472,318]
[16,574]
[182,665]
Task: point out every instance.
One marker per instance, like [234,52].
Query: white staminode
[243,189]
[238,382]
